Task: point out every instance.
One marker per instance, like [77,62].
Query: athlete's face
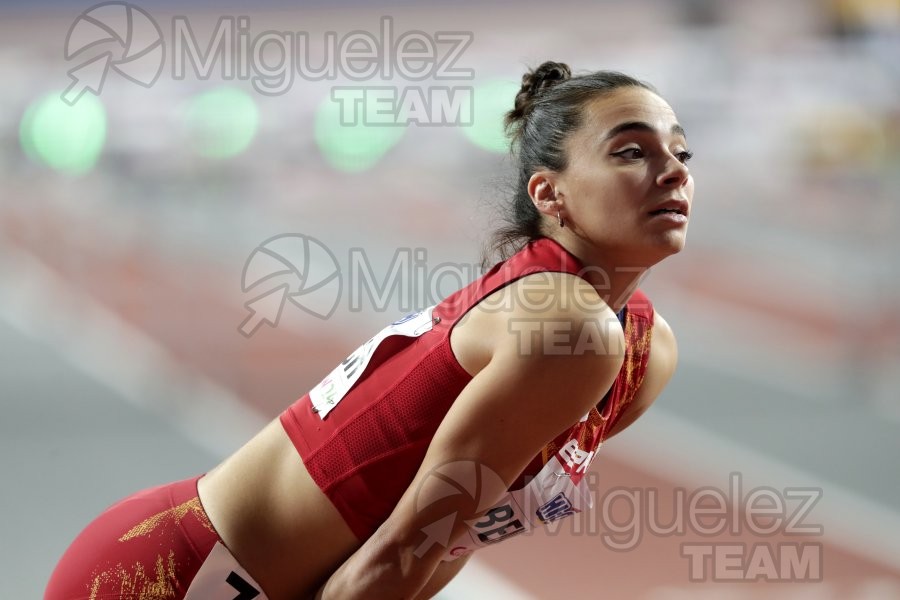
[626,162]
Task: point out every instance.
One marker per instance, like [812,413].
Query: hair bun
[545,76]
[534,83]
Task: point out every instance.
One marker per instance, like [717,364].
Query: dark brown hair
[548,108]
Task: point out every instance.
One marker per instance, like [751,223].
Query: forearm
[380,586]
[388,573]
[442,575]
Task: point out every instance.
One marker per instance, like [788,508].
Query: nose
[674,175]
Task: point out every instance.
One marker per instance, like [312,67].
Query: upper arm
[535,385]
[660,368]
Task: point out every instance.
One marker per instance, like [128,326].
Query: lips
[679,207]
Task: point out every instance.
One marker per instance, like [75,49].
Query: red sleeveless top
[363,431]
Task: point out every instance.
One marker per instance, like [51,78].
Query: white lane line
[102,345]
[676,450]
[783,355]
[756,345]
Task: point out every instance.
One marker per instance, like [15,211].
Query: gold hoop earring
[559,218]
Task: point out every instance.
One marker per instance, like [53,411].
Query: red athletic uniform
[362,434]
[157,544]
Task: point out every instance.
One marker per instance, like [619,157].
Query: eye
[630,153]
[684,156]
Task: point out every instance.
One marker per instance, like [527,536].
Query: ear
[542,190]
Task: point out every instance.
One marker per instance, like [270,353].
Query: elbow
[389,568]
[376,579]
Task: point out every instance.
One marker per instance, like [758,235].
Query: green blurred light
[493,100]
[355,146]
[222,122]
[66,138]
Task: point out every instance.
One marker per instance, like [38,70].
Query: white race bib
[222,578]
[326,395]
[557,491]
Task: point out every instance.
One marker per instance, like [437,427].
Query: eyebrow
[640,126]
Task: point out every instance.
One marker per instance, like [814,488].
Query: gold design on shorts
[174,514]
[136,582]
[143,580]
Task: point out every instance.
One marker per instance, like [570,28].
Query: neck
[614,278]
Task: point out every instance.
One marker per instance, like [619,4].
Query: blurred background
[192,235]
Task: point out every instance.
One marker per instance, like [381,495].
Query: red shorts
[150,546]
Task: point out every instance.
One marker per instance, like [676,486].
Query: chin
[675,247]
[665,248]
[675,240]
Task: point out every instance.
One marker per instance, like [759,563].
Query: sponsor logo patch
[556,508]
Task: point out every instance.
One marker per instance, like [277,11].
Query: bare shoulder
[548,324]
[556,321]
[540,316]
[663,343]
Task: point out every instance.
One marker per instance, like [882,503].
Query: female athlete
[458,426]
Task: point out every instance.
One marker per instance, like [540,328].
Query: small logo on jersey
[574,459]
[558,507]
[408,317]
